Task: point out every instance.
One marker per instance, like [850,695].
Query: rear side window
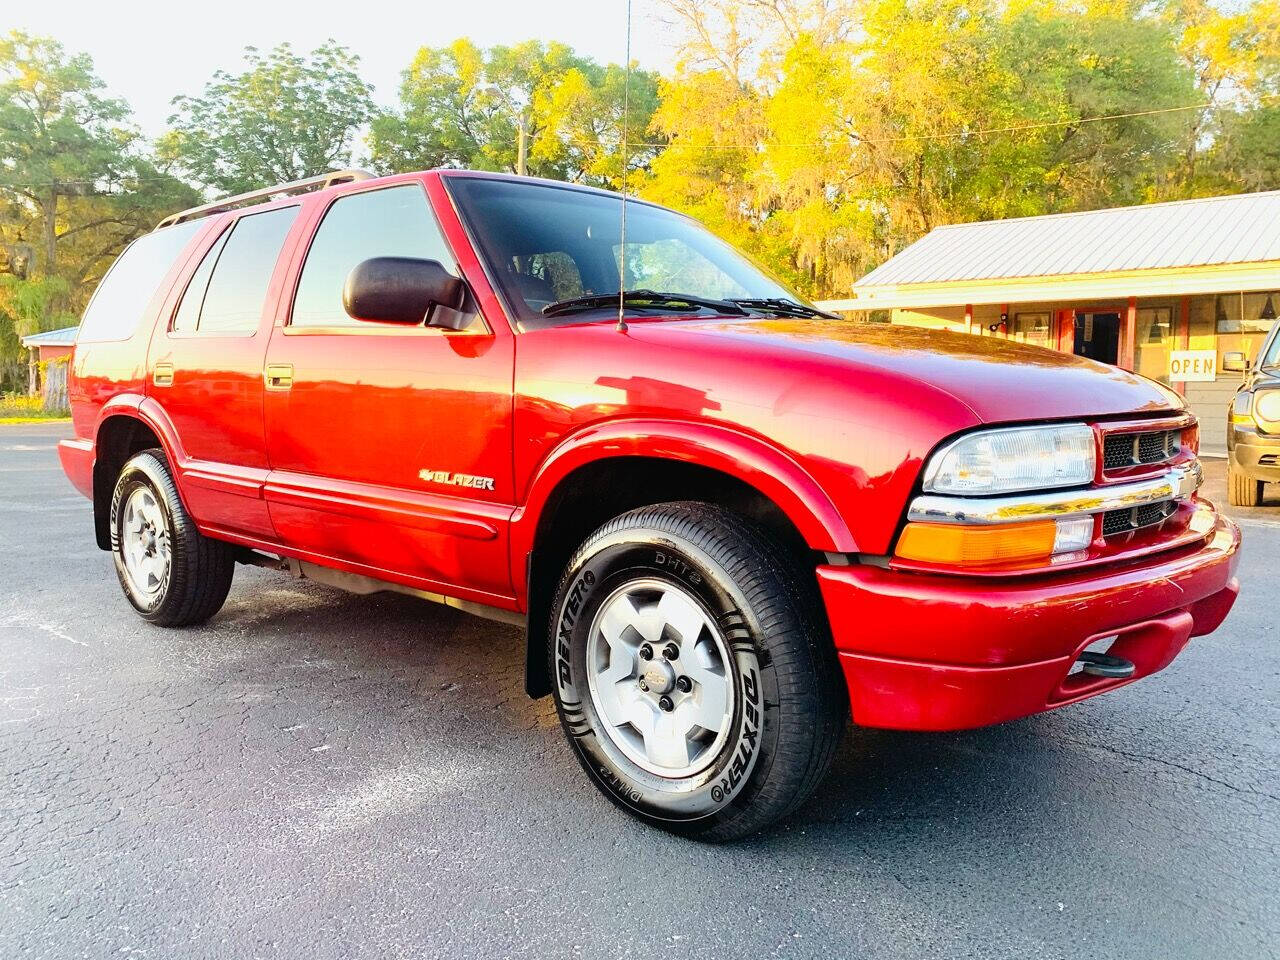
[188,315]
[393,222]
[229,288]
[121,299]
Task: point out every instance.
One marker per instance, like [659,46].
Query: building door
[1097,336]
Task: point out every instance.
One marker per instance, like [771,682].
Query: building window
[1259,311]
[1153,337]
[1247,312]
[1031,328]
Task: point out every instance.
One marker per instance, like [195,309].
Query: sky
[158,50]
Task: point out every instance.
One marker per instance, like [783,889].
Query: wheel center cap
[659,676]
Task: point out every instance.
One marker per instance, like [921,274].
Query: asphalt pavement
[319,775]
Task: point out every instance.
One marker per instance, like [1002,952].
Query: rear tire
[734,715]
[1242,489]
[172,574]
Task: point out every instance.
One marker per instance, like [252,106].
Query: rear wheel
[1242,489]
[693,678]
[172,574]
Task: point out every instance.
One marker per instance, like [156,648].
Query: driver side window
[390,222]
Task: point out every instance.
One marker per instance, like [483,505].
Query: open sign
[1193,365]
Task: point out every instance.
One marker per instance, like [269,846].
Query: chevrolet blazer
[728,522]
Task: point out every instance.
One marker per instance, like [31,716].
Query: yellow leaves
[824,143]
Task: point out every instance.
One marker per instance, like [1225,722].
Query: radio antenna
[622,224]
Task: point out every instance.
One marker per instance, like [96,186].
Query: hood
[999,380]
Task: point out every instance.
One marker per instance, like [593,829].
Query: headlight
[1014,458]
[1266,405]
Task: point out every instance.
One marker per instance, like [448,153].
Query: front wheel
[172,574]
[693,676]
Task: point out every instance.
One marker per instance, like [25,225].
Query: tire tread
[202,567]
[813,707]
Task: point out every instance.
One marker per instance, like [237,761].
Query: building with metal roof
[1162,289]
[66,337]
[42,376]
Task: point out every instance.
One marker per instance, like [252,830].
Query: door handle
[162,375]
[279,376]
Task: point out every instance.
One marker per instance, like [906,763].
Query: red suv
[727,519]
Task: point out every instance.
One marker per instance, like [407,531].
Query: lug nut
[646,652]
[666,704]
[671,651]
[684,684]
[643,685]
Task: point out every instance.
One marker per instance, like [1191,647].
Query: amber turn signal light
[963,545]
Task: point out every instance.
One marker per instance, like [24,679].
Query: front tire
[172,574]
[1242,489]
[693,675]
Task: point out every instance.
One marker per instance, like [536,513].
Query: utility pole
[521,148]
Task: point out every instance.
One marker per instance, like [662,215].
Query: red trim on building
[1129,335]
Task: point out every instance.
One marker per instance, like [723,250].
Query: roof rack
[307,185]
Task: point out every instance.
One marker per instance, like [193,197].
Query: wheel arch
[126,427]
[622,466]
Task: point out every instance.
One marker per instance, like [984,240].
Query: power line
[905,138]
[961,134]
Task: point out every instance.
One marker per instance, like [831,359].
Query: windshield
[1271,358]
[546,244]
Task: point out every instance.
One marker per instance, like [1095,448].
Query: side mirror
[405,290]
[1234,362]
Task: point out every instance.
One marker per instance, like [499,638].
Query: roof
[1244,228]
[52,338]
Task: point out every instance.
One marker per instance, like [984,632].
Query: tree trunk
[521,147]
[50,250]
[51,232]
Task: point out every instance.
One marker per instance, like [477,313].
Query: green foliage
[466,107]
[824,137]
[821,136]
[284,118]
[75,187]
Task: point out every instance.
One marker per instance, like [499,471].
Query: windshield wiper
[644,299]
[782,306]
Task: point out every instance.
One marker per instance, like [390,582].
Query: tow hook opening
[1116,657]
[1097,664]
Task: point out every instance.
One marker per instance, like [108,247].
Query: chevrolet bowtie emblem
[456,479]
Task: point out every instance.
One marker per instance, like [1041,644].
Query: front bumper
[1255,454]
[939,652]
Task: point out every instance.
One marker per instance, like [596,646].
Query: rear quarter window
[122,298]
[228,291]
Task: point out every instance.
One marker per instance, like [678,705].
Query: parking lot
[320,775]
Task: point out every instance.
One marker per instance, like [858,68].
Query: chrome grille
[1136,449]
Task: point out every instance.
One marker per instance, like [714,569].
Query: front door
[206,371]
[390,444]
[1097,336]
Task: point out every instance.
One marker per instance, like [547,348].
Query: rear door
[390,444]
[206,370]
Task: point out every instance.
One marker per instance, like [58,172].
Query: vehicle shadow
[440,666]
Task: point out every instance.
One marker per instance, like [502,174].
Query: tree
[75,186]
[284,118]
[534,107]
[826,135]
[1234,142]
